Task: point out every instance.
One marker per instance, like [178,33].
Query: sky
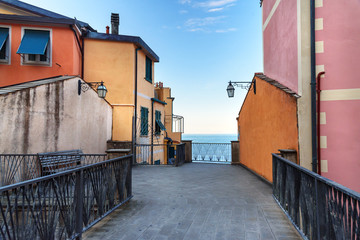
[202,45]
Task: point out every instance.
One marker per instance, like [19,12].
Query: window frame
[144,130]
[7,44]
[25,57]
[148,68]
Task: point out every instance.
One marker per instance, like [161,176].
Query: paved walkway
[196,201]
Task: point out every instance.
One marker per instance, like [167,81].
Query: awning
[162,127]
[4,33]
[34,42]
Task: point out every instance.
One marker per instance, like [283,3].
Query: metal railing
[318,207]
[160,154]
[20,167]
[211,152]
[65,204]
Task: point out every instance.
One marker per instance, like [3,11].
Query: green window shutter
[144,121]
[148,65]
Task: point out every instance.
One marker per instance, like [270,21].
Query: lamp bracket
[84,86]
[245,85]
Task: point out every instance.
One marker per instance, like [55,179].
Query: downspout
[81,47]
[313,87]
[152,132]
[135,114]
[318,120]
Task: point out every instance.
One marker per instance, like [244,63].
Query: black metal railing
[20,167]
[318,207]
[211,152]
[160,154]
[65,204]
[151,154]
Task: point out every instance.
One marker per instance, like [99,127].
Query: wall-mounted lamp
[84,86]
[244,85]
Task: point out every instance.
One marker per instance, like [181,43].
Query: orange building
[37,44]
[267,123]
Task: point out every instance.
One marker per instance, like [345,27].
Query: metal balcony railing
[318,207]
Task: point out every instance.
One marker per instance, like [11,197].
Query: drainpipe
[81,47]
[313,87]
[318,120]
[135,114]
[152,132]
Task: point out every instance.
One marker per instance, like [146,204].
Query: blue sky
[202,44]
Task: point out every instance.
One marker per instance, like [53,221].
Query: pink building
[299,47]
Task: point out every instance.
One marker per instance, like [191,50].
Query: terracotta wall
[267,122]
[53,117]
[66,57]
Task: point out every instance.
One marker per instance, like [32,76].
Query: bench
[54,162]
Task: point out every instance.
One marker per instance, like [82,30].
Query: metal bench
[54,162]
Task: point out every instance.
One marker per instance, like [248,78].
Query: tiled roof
[276,84]
[21,86]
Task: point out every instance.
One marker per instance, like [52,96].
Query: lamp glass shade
[230,90]
[101,90]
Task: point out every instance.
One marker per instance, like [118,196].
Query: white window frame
[7,60]
[25,57]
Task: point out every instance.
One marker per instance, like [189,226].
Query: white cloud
[215,9]
[225,30]
[185,1]
[198,22]
[214,3]
[183,11]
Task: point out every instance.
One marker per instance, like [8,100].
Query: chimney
[107,29]
[161,85]
[115,23]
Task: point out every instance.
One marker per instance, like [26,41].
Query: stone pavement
[196,201]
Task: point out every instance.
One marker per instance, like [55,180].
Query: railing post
[79,191]
[317,209]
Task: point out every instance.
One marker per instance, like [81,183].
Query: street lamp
[84,86]
[244,85]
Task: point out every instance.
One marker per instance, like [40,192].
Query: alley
[196,201]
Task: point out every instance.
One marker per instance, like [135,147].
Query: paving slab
[196,201]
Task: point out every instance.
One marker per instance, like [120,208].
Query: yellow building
[126,66]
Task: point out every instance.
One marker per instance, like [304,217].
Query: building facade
[308,43]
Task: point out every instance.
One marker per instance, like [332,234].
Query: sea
[210,138]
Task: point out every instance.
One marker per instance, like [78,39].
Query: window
[4,45]
[35,47]
[158,124]
[148,75]
[144,121]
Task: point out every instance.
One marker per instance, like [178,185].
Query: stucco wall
[66,57]
[267,122]
[53,117]
[280,42]
[337,39]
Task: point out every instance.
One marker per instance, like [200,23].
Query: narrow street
[196,201]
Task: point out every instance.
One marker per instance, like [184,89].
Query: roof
[125,38]
[159,101]
[276,84]
[44,16]
[31,8]
[21,86]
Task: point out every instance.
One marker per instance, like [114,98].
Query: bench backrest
[53,162]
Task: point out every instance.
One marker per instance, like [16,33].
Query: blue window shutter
[34,42]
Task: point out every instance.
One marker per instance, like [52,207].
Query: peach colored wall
[53,117]
[281,43]
[267,122]
[65,52]
[114,64]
